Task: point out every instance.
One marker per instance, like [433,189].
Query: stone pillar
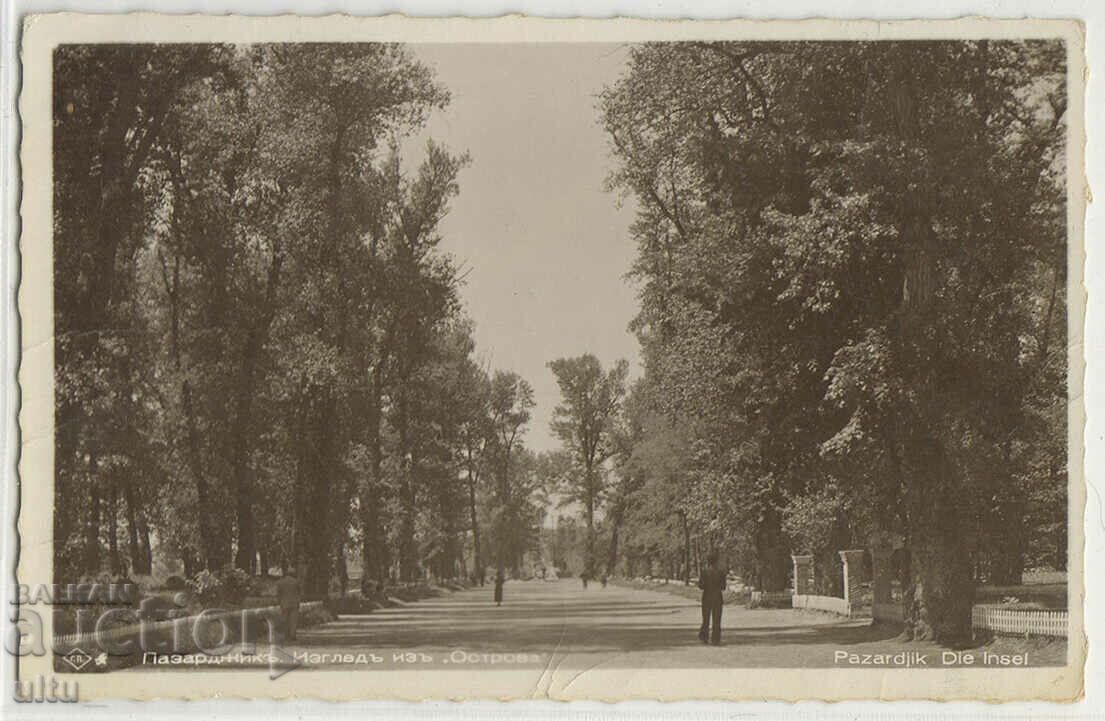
[853,567]
[803,575]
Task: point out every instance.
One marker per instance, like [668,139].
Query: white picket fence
[1006,620]
[996,619]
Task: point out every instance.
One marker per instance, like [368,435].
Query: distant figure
[712,582]
[583,577]
[499,589]
[604,580]
[287,593]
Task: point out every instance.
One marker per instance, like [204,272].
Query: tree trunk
[939,598]
[301,494]
[1011,541]
[191,566]
[589,557]
[341,570]
[477,561]
[67,516]
[408,561]
[210,556]
[372,567]
[772,559]
[504,498]
[92,526]
[243,417]
[133,549]
[940,594]
[612,557]
[448,556]
[147,548]
[1061,527]
[319,541]
[686,549]
[1007,562]
[373,551]
[113,529]
[243,404]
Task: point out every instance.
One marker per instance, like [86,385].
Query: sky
[544,246]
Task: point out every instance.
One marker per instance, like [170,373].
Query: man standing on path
[287,594]
[712,583]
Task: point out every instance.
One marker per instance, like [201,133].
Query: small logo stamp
[78,659]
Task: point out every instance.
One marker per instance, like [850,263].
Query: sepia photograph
[618,354]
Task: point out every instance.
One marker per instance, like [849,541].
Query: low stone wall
[830,604]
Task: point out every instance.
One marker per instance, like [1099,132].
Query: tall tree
[475,439]
[511,402]
[584,421]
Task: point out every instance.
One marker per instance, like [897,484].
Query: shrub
[228,584]
[156,608]
[237,584]
[205,585]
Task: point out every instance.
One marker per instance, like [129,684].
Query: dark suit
[712,583]
[287,592]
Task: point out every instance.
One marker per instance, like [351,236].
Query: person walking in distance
[499,589]
[712,583]
[287,594]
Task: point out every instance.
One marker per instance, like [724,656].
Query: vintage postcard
[566,359]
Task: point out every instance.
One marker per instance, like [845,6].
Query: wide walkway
[567,627]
